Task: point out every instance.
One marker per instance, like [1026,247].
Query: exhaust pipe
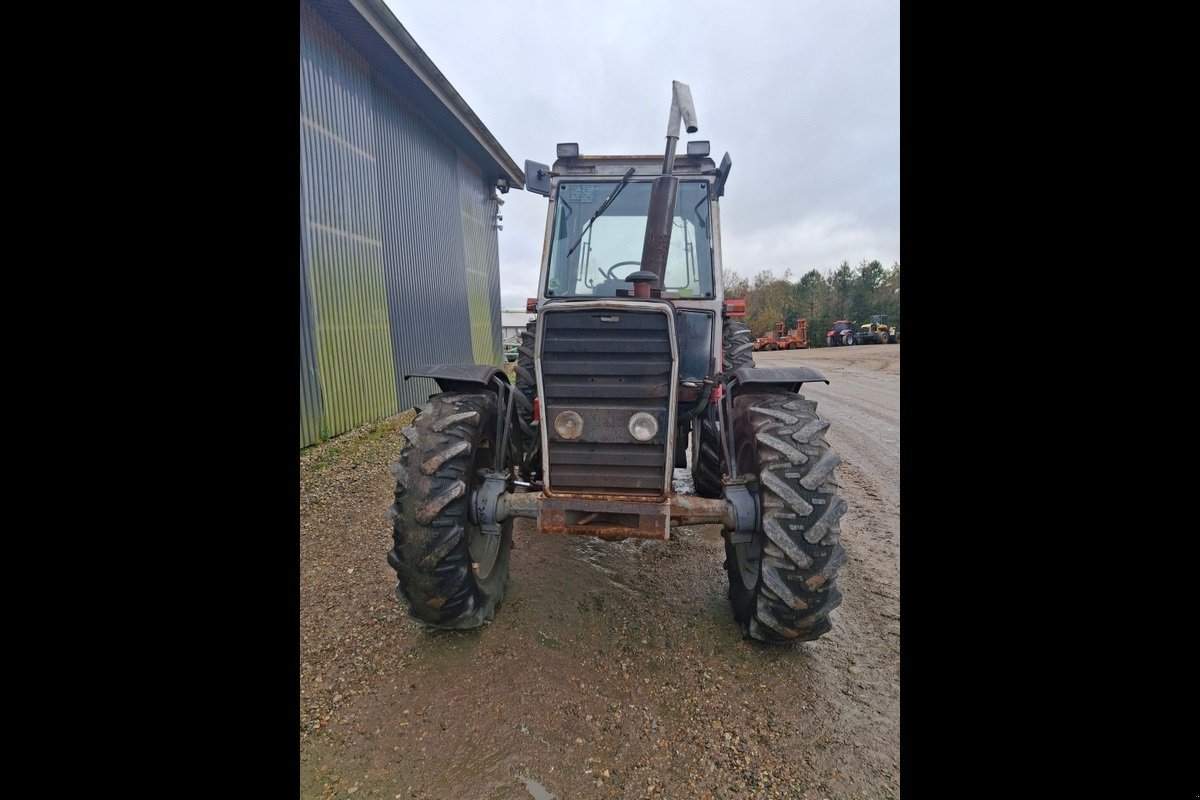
[662,196]
[681,106]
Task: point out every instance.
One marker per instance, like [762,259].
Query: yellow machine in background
[877,331]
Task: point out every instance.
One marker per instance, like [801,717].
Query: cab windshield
[611,249]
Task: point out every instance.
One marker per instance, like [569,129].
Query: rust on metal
[615,516]
[604,518]
[689,509]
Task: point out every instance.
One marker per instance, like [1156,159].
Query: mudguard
[790,377]
[459,377]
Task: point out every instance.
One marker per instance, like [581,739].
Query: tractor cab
[598,232]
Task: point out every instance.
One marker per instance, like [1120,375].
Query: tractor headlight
[643,426]
[568,425]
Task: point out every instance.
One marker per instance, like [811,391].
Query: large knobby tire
[526,375]
[451,573]
[737,348]
[783,583]
[708,463]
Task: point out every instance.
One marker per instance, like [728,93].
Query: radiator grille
[606,365]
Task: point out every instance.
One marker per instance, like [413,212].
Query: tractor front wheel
[783,582]
[451,572]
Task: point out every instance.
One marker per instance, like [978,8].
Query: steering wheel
[608,273]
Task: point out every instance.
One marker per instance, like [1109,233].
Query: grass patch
[359,442]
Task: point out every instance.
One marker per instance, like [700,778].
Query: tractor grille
[606,364]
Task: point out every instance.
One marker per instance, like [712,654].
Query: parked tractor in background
[841,334]
[877,331]
[634,354]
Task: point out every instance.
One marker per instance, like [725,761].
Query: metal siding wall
[480,245]
[311,409]
[423,253]
[342,230]
[397,232]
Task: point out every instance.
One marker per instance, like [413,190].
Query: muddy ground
[611,670]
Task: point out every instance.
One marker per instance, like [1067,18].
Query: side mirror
[722,175]
[537,178]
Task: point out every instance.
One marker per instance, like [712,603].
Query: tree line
[844,293]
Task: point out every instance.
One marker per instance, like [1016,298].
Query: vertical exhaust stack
[662,196]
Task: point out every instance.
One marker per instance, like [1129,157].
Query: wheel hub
[483,535]
[485,497]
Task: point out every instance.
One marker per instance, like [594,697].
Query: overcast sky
[803,94]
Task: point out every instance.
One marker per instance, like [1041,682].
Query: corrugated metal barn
[399,260]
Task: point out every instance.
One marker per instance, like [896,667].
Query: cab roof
[584,166]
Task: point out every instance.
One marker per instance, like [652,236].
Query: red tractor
[842,333]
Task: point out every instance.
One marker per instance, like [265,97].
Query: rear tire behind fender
[708,463]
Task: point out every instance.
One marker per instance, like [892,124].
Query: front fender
[459,377]
[791,378]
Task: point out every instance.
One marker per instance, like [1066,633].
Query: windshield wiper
[603,207]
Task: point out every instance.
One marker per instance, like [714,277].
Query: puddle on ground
[681,482]
[592,550]
[546,640]
[536,790]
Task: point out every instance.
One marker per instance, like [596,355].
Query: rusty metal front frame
[618,519]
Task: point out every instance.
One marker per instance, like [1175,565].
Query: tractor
[842,333]
[876,331]
[635,366]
